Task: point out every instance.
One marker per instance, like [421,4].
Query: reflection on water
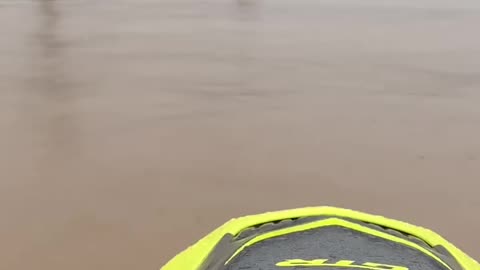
[131,128]
[50,84]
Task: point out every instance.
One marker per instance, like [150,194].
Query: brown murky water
[130,128]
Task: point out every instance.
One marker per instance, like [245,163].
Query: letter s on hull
[341,263]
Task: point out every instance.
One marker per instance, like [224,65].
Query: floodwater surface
[130,128]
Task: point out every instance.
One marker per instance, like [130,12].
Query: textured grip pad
[331,248]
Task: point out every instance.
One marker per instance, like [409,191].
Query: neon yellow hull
[194,257]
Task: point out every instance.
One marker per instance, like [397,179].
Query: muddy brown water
[129,129]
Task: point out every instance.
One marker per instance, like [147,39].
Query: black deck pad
[331,245]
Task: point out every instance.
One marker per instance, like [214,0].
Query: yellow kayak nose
[321,237]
